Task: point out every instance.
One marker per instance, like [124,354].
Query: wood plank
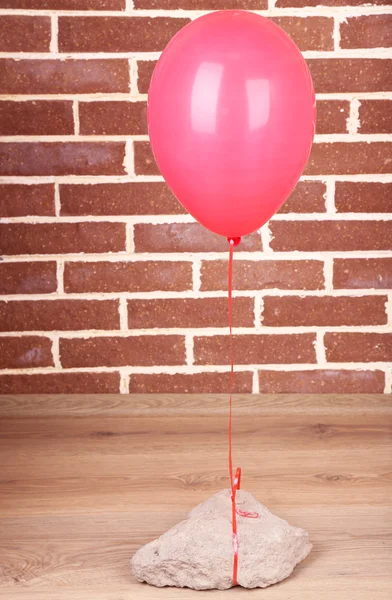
[48,405]
[325,523]
[290,589]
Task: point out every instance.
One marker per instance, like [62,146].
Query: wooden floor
[84,481]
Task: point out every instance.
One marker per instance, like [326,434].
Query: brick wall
[108,285]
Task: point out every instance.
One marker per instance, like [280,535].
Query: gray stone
[198,552]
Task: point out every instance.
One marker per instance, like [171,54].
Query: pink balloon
[231,118]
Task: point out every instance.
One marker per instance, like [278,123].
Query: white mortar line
[326,194]
[190,294]
[71,55]
[353,123]
[184,256]
[271,5]
[55,352]
[184,219]
[131,219]
[196,275]
[272,11]
[389,310]
[57,205]
[336,33]
[266,238]
[330,198]
[54,32]
[187,370]
[189,349]
[129,6]
[129,157]
[189,332]
[133,77]
[255,382]
[190,370]
[84,179]
[128,97]
[97,97]
[91,180]
[73,139]
[355,96]
[328,274]
[320,349]
[333,217]
[124,381]
[388,379]
[381,52]
[59,277]
[349,138]
[91,98]
[258,312]
[129,238]
[75,111]
[123,312]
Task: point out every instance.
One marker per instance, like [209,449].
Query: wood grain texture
[86,480]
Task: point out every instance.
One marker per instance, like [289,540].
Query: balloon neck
[234,240]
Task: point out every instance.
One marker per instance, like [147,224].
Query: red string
[235,482]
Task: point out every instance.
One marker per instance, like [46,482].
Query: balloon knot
[234,240]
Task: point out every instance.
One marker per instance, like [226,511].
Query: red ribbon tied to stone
[235,481]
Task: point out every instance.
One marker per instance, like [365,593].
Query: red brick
[327,381]
[255,349]
[20,33]
[113,118]
[136,198]
[335,75]
[61,238]
[40,117]
[358,347]
[292,311]
[339,158]
[332,116]
[303,3]
[65,4]
[195,383]
[343,158]
[17,200]
[266,274]
[25,352]
[186,237]
[330,75]
[145,69]
[307,197]
[363,197]
[141,276]
[144,159]
[143,350]
[362,273]
[309,33]
[189,312]
[63,76]
[375,116]
[370,31]
[61,383]
[62,315]
[28,277]
[117,34]
[329,236]
[201,4]
[60,158]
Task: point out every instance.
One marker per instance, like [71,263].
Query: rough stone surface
[198,552]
